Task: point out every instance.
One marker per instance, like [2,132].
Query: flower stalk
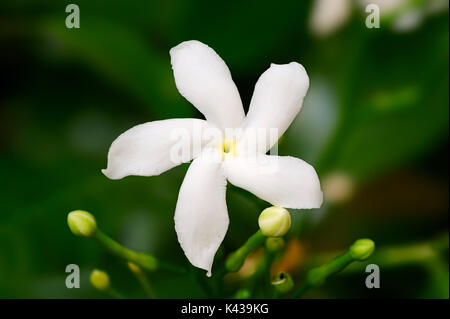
[83,224]
[236,259]
[143,260]
[359,251]
[147,262]
[142,278]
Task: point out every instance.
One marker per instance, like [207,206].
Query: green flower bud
[283,282]
[99,279]
[274,221]
[274,244]
[81,223]
[362,249]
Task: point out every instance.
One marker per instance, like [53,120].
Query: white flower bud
[274,221]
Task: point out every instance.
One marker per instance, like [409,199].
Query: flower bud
[274,244]
[99,279]
[283,282]
[81,223]
[362,249]
[274,221]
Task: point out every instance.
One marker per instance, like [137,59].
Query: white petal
[203,78]
[201,217]
[280,180]
[155,147]
[277,99]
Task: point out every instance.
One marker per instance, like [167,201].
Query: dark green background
[377,110]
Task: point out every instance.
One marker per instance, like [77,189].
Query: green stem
[426,253]
[317,276]
[145,261]
[399,255]
[260,280]
[143,280]
[359,251]
[236,259]
[269,257]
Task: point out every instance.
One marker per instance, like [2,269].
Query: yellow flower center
[228,147]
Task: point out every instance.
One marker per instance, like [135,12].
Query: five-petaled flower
[202,77]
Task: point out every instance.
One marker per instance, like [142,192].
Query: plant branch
[236,259]
[143,260]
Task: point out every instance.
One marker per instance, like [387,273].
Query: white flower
[202,77]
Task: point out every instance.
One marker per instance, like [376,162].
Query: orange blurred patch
[292,259]
[249,267]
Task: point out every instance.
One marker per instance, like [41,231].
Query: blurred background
[374,125]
